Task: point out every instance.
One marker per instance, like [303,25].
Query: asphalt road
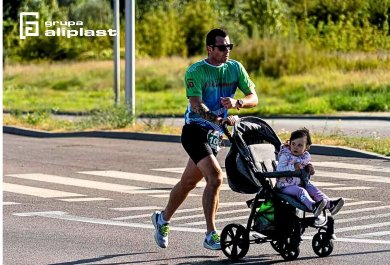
[89,201]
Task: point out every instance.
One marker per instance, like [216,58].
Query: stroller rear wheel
[288,249]
[235,241]
[322,245]
[276,245]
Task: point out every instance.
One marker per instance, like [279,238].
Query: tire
[275,245]
[289,251]
[322,245]
[235,241]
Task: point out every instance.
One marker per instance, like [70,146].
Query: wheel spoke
[228,243]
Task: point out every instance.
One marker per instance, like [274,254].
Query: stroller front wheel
[322,245]
[235,241]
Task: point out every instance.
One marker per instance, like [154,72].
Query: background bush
[178,27]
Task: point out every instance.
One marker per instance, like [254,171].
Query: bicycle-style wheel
[235,241]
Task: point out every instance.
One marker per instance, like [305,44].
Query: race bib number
[214,139]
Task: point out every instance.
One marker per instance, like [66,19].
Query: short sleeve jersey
[211,83]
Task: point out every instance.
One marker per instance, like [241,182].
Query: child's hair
[301,133]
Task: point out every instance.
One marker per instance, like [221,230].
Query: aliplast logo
[29,27]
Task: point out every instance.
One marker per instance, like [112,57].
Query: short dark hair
[301,133]
[210,39]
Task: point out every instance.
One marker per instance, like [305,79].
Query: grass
[45,88]
[87,86]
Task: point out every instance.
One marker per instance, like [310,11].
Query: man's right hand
[230,120]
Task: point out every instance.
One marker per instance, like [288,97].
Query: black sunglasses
[223,48]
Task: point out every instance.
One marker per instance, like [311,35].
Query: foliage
[178,27]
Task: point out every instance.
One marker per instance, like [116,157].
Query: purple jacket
[286,161]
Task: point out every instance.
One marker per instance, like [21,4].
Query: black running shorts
[195,142]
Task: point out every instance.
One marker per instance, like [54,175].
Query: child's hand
[310,169]
[297,166]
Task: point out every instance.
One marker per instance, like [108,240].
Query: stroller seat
[264,158]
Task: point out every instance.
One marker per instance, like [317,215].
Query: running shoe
[213,243]
[162,230]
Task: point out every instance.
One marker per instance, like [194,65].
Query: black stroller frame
[250,166]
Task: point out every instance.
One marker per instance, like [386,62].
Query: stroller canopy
[239,162]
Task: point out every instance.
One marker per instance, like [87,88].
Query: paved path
[366,126]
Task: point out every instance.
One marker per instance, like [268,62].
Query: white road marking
[221,205]
[178,170]
[85,199]
[325,184]
[10,203]
[355,240]
[350,188]
[218,214]
[338,175]
[38,192]
[374,234]
[167,195]
[87,183]
[360,203]
[360,210]
[64,216]
[142,177]
[352,166]
[361,218]
[220,220]
[361,227]
[357,227]
[135,208]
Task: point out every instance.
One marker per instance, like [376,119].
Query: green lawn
[86,86]
[41,89]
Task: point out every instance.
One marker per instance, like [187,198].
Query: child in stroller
[250,166]
[293,156]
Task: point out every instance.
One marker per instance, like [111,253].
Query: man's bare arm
[200,108]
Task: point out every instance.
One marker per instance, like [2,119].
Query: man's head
[218,46]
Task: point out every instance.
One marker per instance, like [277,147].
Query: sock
[161,220]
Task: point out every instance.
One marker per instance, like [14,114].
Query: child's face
[298,146]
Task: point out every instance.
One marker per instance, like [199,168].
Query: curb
[326,150]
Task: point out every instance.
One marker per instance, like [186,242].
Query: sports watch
[239,104]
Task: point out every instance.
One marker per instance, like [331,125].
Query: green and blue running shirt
[211,83]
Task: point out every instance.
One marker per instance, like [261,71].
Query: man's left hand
[228,103]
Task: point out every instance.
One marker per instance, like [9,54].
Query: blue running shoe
[162,231]
[214,243]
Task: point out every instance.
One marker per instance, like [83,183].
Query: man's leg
[191,176]
[212,172]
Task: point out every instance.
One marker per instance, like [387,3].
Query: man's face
[219,53]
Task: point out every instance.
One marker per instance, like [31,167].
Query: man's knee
[215,179]
[189,183]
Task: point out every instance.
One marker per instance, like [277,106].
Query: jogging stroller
[274,217]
